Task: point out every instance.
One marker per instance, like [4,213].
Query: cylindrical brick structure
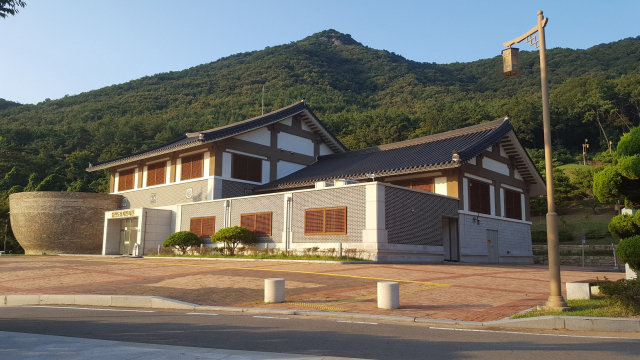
[273,290]
[60,222]
[388,295]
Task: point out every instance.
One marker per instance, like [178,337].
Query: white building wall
[325,149]
[260,136]
[295,144]
[285,168]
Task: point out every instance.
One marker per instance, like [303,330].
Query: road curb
[577,323]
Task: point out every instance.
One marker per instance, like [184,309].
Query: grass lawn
[578,218]
[568,167]
[598,307]
[280,256]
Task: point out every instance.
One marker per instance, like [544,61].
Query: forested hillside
[365,96]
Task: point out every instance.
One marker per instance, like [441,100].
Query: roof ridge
[422,140]
[193,134]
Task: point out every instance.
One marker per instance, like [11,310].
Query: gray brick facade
[353,197]
[415,218]
[166,195]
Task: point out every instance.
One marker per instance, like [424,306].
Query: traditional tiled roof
[198,138]
[439,151]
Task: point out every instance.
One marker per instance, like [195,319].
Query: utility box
[510,65]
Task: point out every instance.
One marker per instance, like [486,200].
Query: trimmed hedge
[623,226]
[182,240]
[628,251]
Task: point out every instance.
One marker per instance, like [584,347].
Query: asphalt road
[308,335]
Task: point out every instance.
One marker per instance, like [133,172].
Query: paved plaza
[468,292]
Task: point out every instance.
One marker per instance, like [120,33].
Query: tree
[622,179]
[10,7]
[233,236]
[628,251]
[182,240]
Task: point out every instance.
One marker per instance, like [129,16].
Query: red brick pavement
[442,291]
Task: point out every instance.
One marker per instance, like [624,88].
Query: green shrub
[596,233]
[182,240]
[539,236]
[564,236]
[232,237]
[628,251]
[623,226]
[625,293]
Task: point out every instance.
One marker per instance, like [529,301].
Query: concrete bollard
[273,290]
[388,295]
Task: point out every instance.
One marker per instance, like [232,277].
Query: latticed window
[328,221]
[203,226]
[191,167]
[416,184]
[259,223]
[156,173]
[246,168]
[512,204]
[479,197]
[126,179]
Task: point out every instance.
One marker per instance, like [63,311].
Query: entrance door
[450,240]
[492,246]
[128,235]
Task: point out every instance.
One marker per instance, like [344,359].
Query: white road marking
[82,308]
[527,333]
[358,322]
[202,314]
[271,317]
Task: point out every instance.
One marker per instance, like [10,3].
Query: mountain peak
[333,37]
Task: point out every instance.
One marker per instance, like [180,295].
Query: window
[329,221]
[479,197]
[259,224]
[126,179]
[416,184]
[192,167]
[203,226]
[156,173]
[512,204]
[246,168]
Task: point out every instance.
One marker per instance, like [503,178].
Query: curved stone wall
[60,222]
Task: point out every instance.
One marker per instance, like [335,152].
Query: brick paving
[469,292]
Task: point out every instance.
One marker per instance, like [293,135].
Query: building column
[375,236]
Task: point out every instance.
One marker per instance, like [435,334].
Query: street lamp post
[555,296]
[585,146]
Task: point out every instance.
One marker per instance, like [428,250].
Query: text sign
[117,214]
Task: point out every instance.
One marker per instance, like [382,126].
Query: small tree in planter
[628,251]
[182,240]
[232,237]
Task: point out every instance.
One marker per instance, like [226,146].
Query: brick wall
[415,218]
[514,238]
[353,197]
[269,203]
[166,195]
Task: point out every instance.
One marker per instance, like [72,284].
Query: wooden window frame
[517,209]
[200,232]
[152,168]
[235,170]
[482,207]
[414,183]
[255,223]
[324,221]
[190,159]
[128,172]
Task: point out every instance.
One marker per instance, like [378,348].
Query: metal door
[492,246]
[450,240]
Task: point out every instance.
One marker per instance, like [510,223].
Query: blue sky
[53,48]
